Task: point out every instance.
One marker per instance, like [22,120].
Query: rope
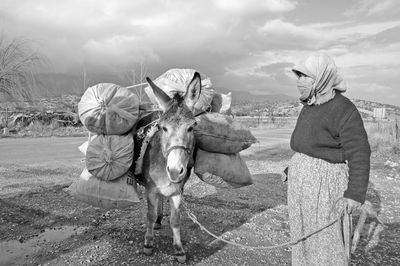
[289,243]
[136,85]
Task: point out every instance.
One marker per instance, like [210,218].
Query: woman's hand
[351,205]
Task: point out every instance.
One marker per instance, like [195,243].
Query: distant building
[379,113]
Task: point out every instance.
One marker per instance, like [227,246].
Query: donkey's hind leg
[157,225]
[175,202]
[152,202]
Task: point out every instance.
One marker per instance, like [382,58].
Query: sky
[241,45]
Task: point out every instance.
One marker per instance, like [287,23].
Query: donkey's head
[176,127]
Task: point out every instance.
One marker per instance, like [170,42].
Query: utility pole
[84,78]
[141,80]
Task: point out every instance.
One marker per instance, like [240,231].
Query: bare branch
[18,63]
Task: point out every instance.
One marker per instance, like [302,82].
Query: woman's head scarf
[322,69]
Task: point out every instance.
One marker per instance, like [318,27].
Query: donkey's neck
[155,164]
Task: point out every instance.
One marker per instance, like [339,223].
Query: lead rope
[289,243]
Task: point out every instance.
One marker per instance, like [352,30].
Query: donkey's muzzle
[176,175]
[177,161]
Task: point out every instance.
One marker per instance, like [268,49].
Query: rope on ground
[289,243]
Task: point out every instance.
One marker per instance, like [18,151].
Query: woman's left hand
[351,205]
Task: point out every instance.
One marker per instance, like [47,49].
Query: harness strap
[186,149]
[146,141]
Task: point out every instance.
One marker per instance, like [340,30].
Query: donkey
[168,160]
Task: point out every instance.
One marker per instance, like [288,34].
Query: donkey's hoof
[157,226]
[147,250]
[181,258]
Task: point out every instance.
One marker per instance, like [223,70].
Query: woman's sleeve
[357,152]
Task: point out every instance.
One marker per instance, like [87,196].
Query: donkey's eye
[190,129]
[164,129]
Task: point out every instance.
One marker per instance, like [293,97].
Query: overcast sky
[240,44]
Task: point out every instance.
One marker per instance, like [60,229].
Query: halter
[187,150]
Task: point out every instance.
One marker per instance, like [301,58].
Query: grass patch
[384,137]
[37,129]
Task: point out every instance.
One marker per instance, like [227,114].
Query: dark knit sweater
[334,132]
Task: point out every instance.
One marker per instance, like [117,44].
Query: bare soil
[40,224]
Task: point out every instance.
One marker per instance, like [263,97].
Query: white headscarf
[322,69]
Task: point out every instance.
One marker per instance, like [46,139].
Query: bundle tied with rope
[114,115]
[219,137]
[109,112]
[108,109]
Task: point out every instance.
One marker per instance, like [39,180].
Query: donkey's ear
[161,97]
[193,91]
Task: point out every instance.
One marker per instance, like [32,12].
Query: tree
[137,77]
[18,62]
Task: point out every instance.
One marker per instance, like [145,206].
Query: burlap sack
[222,170]
[216,103]
[222,134]
[108,109]
[221,103]
[109,156]
[176,81]
[117,194]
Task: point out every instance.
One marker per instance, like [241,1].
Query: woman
[330,170]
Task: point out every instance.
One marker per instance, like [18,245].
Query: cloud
[251,7]
[113,49]
[374,92]
[287,35]
[249,45]
[280,66]
[387,8]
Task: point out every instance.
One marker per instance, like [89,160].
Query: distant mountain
[244,96]
[54,85]
[57,84]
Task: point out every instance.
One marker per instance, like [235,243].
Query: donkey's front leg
[160,213]
[152,202]
[175,203]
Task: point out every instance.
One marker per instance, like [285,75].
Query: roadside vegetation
[384,137]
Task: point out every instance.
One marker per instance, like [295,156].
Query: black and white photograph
[207,133]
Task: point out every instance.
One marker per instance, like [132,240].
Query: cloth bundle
[220,139]
[176,81]
[222,170]
[108,109]
[221,103]
[222,134]
[218,136]
[109,112]
[108,157]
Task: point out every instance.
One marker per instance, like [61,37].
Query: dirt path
[41,224]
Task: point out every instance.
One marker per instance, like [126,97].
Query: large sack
[222,134]
[105,194]
[221,103]
[109,156]
[108,109]
[222,170]
[176,81]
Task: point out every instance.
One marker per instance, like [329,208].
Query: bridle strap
[186,149]
[201,113]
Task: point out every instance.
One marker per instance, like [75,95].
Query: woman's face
[304,85]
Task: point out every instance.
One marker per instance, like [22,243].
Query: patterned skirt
[314,188]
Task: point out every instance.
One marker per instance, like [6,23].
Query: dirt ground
[41,224]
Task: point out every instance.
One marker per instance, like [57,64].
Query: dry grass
[37,129]
[383,137]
